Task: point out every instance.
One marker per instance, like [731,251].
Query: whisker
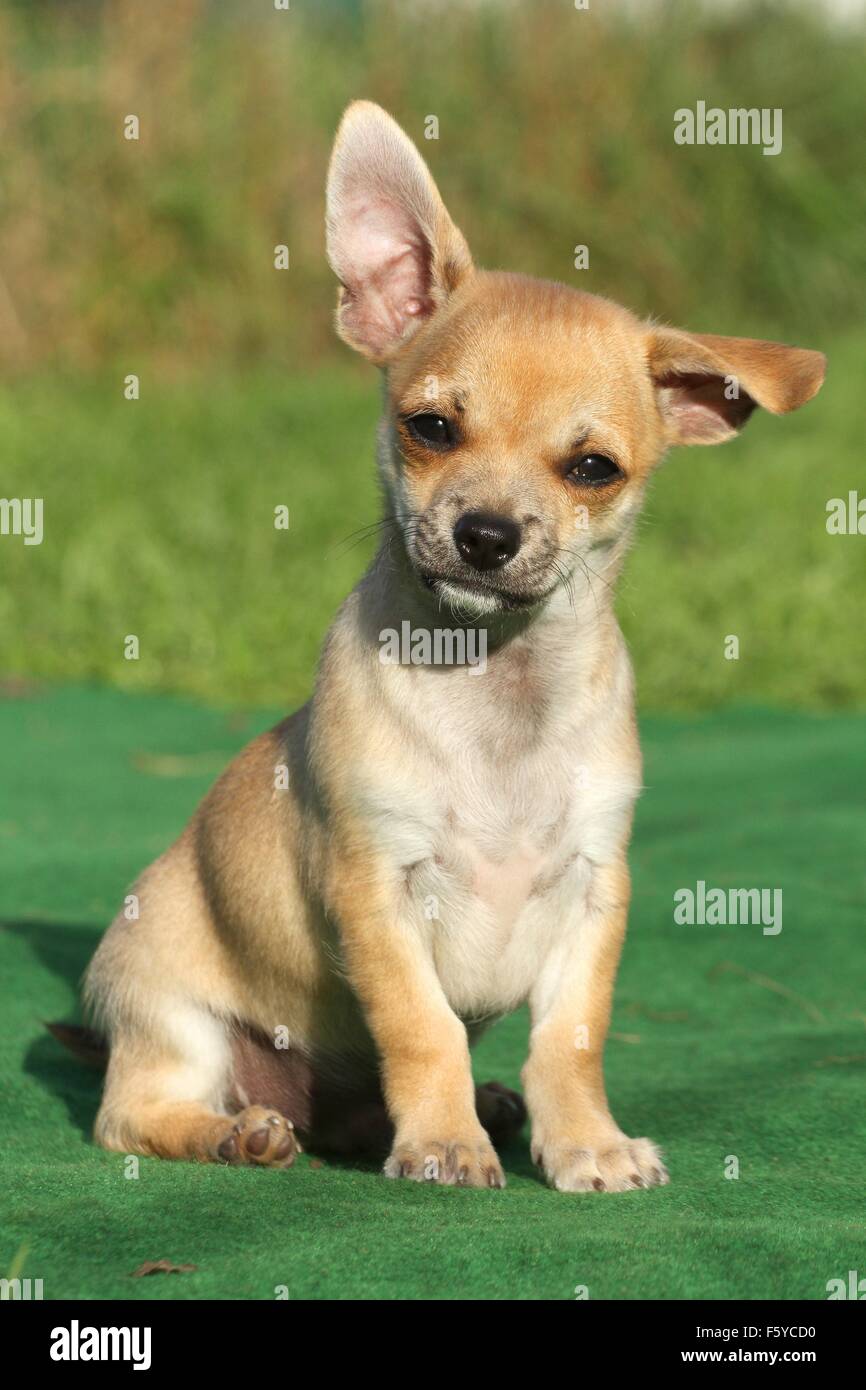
[362,534]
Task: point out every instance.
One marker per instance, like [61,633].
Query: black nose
[485,541]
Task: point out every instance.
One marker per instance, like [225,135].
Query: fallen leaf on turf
[161,1267]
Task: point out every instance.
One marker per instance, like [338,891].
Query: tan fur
[300,916]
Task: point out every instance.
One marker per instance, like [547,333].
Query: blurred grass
[159,521]
[556,128]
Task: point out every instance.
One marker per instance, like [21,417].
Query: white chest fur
[495,842]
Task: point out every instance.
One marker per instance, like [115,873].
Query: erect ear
[391,242]
[707,387]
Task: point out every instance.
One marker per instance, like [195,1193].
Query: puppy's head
[522,417]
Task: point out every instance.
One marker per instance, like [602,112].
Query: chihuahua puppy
[424,847]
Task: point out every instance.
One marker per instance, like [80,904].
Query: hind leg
[177,1129]
[165,1096]
[500,1110]
[364,1127]
[337,1109]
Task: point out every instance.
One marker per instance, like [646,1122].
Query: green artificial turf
[726,1042]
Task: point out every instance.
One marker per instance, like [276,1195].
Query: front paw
[460,1162]
[618,1165]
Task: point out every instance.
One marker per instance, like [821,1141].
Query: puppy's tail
[89,1047]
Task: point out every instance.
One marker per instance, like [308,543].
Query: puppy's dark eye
[433,430]
[594,470]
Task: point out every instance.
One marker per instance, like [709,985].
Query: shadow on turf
[65,951]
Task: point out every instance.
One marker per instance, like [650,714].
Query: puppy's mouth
[478,595]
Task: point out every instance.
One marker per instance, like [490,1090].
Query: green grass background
[157,258]
[555,129]
[725,1042]
[159,522]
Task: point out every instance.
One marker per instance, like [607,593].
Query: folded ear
[707,386]
[391,242]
